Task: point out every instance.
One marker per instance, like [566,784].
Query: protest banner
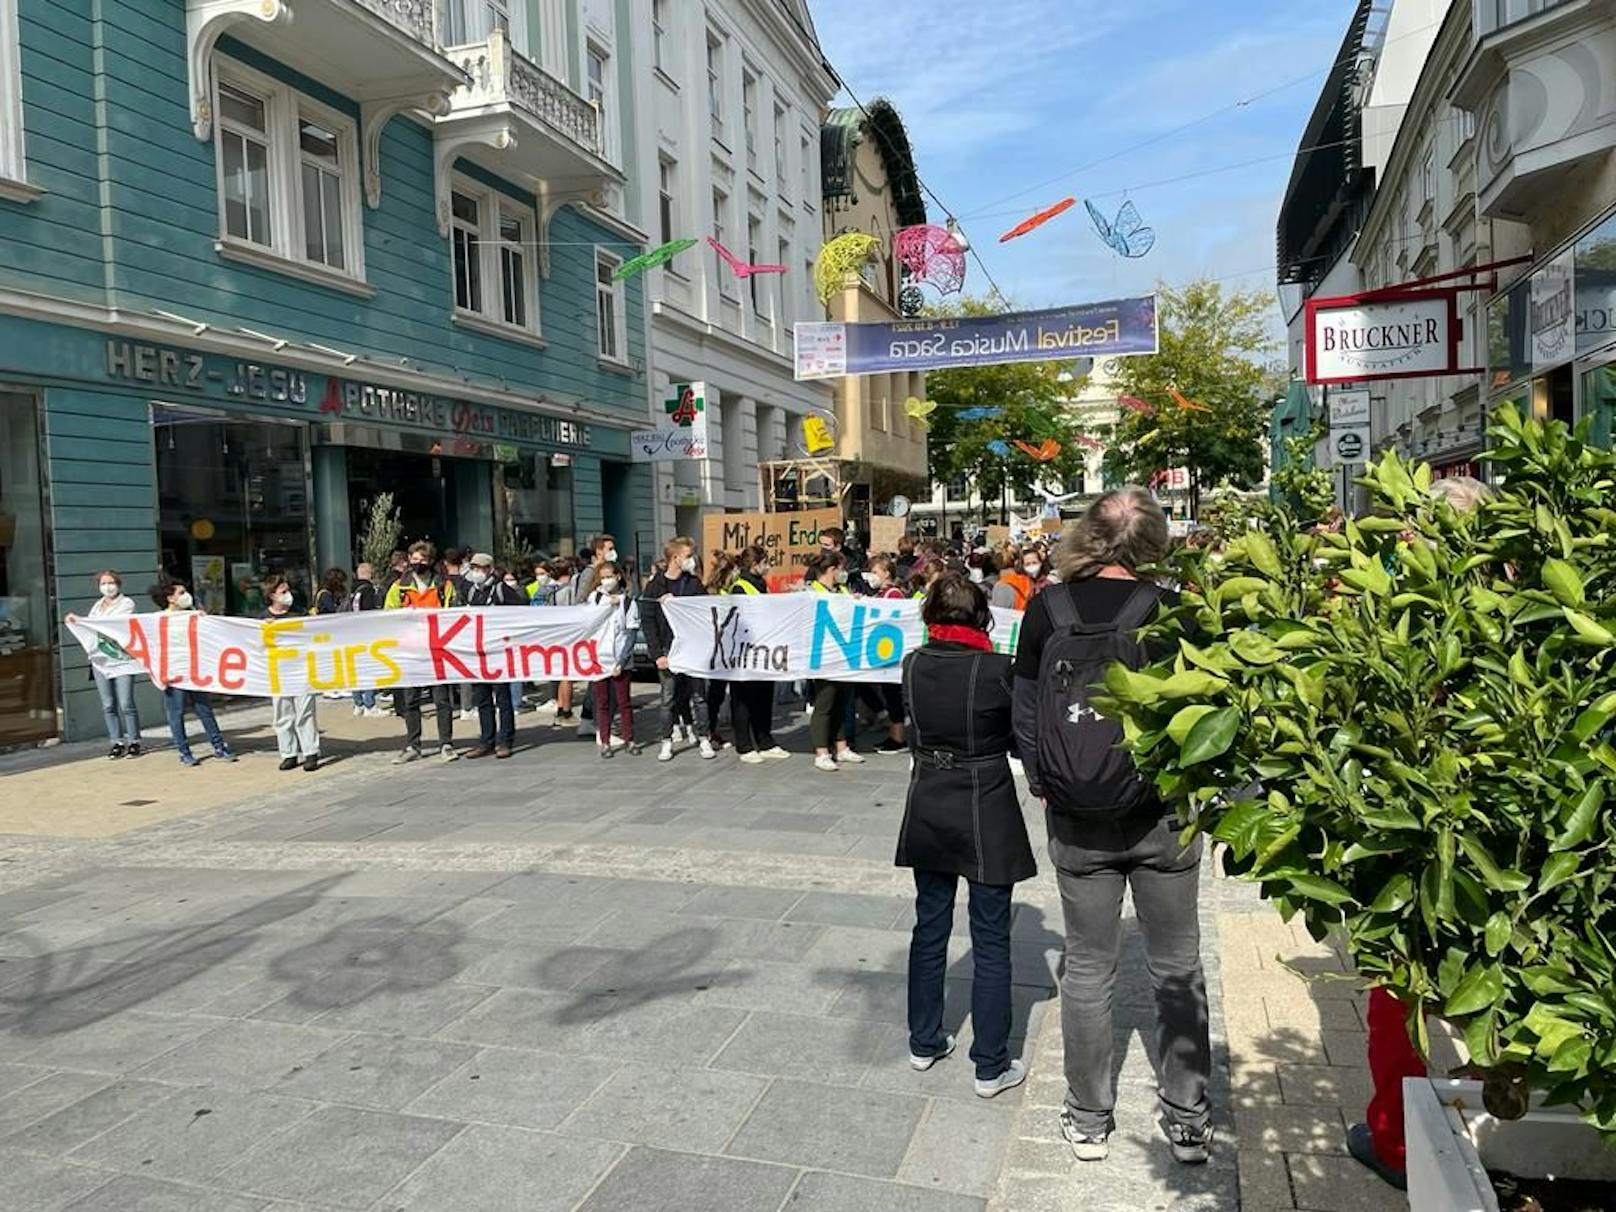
[788,538]
[790,636]
[998,536]
[373,650]
[884,534]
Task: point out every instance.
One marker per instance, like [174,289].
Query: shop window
[538,499]
[288,178]
[1598,404]
[491,243]
[232,506]
[611,321]
[27,683]
[1509,348]
[1595,278]
[11,146]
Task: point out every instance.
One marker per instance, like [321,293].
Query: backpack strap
[1062,610]
[1141,604]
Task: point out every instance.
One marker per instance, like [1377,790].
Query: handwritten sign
[884,534]
[788,538]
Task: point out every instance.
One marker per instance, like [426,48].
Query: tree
[1032,396]
[382,534]
[1211,353]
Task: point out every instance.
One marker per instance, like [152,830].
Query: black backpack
[1082,765]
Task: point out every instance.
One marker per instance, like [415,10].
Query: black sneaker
[134,750]
[117,752]
[1362,1147]
[312,762]
[890,747]
[1191,1146]
[288,764]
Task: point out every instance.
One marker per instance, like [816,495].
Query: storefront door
[27,678]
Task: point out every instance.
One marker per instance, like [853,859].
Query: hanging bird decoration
[1046,451]
[980,413]
[1039,219]
[919,409]
[1135,404]
[931,255]
[1126,234]
[743,269]
[840,257]
[1184,402]
[1000,447]
[650,260]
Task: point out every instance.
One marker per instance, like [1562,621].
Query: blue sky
[999,98]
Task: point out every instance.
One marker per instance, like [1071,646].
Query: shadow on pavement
[665,967]
[367,958]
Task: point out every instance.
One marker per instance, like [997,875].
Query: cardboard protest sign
[884,534]
[788,538]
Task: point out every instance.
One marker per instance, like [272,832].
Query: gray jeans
[1094,862]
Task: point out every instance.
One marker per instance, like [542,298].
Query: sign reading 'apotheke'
[1352,339]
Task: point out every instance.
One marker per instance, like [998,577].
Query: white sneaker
[448,753]
[376,713]
[850,757]
[707,750]
[826,763]
[776,754]
[1008,1080]
[358,710]
[665,754]
[921,1063]
[754,758]
[1085,1147]
[468,714]
[618,742]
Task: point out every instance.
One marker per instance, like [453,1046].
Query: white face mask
[542,579]
[1032,570]
[476,576]
[283,598]
[109,589]
[976,576]
[183,600]
[609,554]
[688,564]
[873,580]
[511,581]
[609,584]
[841,576]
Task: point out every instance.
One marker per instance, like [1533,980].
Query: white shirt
[106,608]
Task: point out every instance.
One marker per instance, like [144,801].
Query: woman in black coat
[962,818]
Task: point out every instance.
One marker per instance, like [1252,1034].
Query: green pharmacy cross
[685,407]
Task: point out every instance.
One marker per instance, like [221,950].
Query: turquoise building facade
[261,262]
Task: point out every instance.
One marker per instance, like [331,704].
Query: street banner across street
[372,650]
[1115,328]
[784,637]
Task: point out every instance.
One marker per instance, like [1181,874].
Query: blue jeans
[990,981]
[175,701]
[118,707]
[364,698]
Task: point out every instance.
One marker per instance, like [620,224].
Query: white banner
[784,637]
[370,650]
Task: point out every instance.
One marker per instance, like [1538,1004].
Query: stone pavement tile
[1346,1048]
[404,1011]
[512,964]
[879,849]
[693,1110]
[304,1000]
[1255,1086]
[777,941]
[653,1180]
[14,1076]
[193,1134]
[1285,985]
[793,1045]
[781,821]
[42,1184]
[505,1170]
[746,841]
[44,1097]
[644,836]
[1340,1184]
[558,920]
[1264,1178]
[113,1045]
[524,1018]
[1295,1129]
[850,949]
[244,1055]
[375,1071]
[820,1192]
[693,1032]
[763,904]
[632,927]
[958,1147]
[1298,1012]
[130,1193]
[757,985]
[846,909]
[341,1155]
[73,1125]
[345,829]
[522,1089]
[830,1128]
[471,913]
[1325,1085]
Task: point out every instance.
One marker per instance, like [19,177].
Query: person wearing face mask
[982,570]
[513,584]
[496,718]
[542,588]
[827,724]
[678,580]
[751,703]
[882,580]
[1018,587]
[421,588]
[617,688]
[297,734]
[171,595]
[117,694]
[602,550]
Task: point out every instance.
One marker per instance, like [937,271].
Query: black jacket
[963,814]
[658,634]
[365,595]
[493,592]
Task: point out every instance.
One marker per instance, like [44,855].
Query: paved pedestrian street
[558,983]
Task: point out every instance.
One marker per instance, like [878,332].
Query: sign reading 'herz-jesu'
[1356,338]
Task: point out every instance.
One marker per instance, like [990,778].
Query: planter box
[1452,1143]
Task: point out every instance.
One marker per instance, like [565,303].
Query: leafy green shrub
[1421,705]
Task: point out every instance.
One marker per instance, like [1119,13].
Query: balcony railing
[414,17]
[501,76]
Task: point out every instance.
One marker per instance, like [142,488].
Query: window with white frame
[598,63]
[720,215]
[288,175]
[715,82]
[12,164]
[491,245]
[780,147]
[667,197]
[783,257]
[806,169]
[749,97]
[473,20]
[754,254]
[611,319]
[661,49]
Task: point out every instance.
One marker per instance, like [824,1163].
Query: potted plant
[1401,727]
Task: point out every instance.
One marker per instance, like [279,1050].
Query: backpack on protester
[1082,764]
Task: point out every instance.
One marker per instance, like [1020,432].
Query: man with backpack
[363,596]
[1107,828]
[423,588]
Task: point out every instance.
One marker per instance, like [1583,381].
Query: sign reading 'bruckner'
[1351,339]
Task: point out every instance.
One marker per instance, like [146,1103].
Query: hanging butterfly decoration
[980,413]
[1083,439]
[1135,404]
[1044,452]
[840,257]
[919,409]
[930,254]
[743,269]
[1000,447]
[1184,402]
[650,260]
[1126,234]
[911,302]
[1039,219]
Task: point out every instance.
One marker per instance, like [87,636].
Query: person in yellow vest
[751,703]
[827,725]
[422,588]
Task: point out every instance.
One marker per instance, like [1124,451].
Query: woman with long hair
[751,702]
[828,722]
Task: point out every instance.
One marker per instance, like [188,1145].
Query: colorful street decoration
[650,260]
[1126,234]
[1135,404]
[1046,451]
[919,409]
[743,269]
[986,413]
[1184,402]
[1039,219]
[1000,447]
[840,257]
[931,255]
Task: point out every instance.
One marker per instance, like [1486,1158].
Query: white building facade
[731,112]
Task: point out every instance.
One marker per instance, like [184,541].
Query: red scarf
[953,633]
